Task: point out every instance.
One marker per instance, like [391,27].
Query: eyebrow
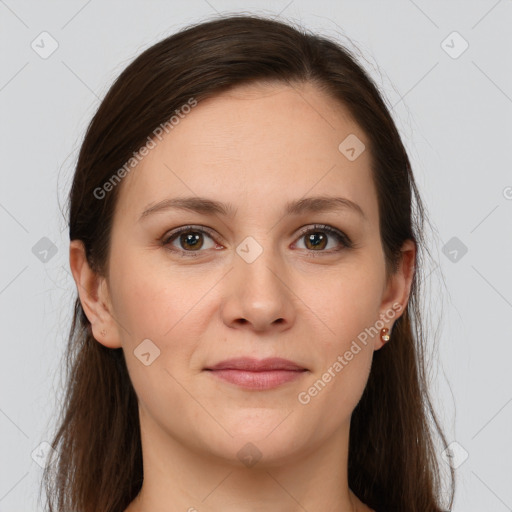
[205,206]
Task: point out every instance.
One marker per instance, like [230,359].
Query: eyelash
[339,235]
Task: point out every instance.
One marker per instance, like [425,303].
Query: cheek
[349,304]
[168,306]
[349,308]
[152,300]
[344,356]
[152,303]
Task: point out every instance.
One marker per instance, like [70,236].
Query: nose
[257,296]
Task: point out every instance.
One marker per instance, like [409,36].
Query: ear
[398,288]
[94,297]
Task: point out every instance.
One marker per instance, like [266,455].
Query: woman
[247,334]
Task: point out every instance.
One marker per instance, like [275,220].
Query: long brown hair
[97,464]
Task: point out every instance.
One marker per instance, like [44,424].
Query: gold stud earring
[384,334]
[103,332]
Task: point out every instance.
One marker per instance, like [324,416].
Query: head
[270,125]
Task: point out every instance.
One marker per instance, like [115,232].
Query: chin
[267,444]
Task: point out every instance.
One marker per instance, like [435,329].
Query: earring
[384,334]
[103,332]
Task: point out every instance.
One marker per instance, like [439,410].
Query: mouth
[257,374]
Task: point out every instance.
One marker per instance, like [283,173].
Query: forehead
[271,143]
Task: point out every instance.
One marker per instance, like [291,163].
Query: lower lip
[258,380]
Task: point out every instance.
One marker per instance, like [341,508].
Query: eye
[317,239]
[190,240]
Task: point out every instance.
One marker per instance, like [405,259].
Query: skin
[256,147]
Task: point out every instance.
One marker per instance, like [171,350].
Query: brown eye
[188,239]
[318,237]
[191,240]
[321,239]
[316,240]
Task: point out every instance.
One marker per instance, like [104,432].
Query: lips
[257,365]
[255,374]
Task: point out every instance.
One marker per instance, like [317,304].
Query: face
[266,279]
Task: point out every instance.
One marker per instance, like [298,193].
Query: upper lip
[256,365]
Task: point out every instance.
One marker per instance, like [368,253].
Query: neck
[187,478]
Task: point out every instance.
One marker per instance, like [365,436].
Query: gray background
[453,110]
